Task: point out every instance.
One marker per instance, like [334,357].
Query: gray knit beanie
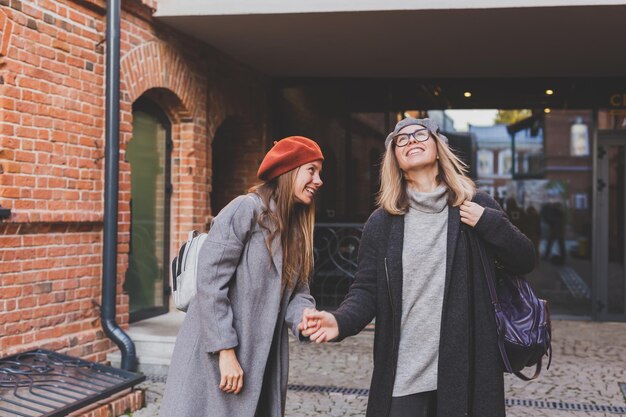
[429,124]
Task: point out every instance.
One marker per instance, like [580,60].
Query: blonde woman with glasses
[435,348]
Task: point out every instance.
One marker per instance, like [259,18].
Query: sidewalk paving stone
[588,363]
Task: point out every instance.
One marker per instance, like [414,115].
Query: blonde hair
[452,173]
[294,221]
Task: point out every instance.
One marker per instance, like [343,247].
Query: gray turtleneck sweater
[423,279]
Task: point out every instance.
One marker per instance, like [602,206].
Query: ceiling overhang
[287,39]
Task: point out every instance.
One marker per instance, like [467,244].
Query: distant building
[494,156]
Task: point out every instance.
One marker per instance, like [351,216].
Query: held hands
[471,212]
[232,374]
[319,326]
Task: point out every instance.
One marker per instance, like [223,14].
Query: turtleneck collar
[429,202]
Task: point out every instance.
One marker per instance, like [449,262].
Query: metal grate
[159,379]
[574,283]
[42,383]
[552,405]
[359,392]
[336,246]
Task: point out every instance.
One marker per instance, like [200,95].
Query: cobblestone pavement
[589,361]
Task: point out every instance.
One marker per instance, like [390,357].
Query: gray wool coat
[239,304]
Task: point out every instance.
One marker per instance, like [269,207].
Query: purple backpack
[522,320]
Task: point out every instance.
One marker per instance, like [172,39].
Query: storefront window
[505,162]
[613,119]
[537,164]
[485,162]
[546,191]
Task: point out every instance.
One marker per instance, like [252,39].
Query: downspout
[111,189]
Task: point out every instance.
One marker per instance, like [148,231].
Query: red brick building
[52,92]
[195,123]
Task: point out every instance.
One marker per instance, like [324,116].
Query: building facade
[180,99]
[207,86]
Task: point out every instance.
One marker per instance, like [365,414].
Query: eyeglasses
[420,135]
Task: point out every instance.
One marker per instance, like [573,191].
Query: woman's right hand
[471,212]
[231,381]
[325,326]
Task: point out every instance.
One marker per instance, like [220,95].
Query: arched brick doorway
[149,155]
[233,163]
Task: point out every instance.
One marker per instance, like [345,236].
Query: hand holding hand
[471,212]
[310,324]
[232,374]
[324,328]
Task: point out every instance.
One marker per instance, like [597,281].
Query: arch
[230,162]
[169,103]
[155,68]
[6,30]
[158,65]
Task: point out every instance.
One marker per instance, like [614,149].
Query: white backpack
[185,270]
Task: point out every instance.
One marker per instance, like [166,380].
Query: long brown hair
[452,172]
[294,221]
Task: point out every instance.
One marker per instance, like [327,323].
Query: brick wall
[124,403]
[52,147]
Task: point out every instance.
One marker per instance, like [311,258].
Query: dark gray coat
[463,361]
[239,305]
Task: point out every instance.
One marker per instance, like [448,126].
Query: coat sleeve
[300,299]
[218,260]
[506,242]
[359,306]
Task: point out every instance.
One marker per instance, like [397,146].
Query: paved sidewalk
[589,361]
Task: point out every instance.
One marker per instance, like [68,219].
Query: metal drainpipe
[111,188]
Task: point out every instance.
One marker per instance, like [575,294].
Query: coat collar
[277,249]
[454,228]
[395,244]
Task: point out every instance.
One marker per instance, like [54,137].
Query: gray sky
[463,118]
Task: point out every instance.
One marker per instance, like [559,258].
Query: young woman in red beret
[231,355]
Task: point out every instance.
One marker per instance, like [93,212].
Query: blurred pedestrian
[553,215]
[534,227]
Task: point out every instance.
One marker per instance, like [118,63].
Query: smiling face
[416,155]
[307,182]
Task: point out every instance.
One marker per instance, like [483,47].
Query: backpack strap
[185,252]
[520,375]
[491,284]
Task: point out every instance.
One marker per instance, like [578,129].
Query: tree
[509,117]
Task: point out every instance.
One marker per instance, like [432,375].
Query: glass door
[149,154]
[610,251]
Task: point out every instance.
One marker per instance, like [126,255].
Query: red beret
[288,154]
